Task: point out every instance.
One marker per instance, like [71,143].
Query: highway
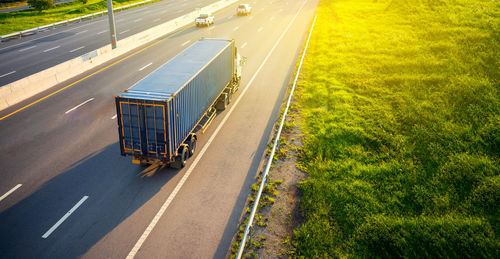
[32,54]
[66,192]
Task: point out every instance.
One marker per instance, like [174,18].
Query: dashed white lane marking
[80,32]
[251,18]
[172,195]
[236,28]
[184,44]
[212,27]
[138,20]
[47,50]
[114,117]
[184,4]
[11,191]
[124,31]
[11,72]
[47,234]
[76,107]
[155,20]
[142,68]
[242,46]
[180,11]
[101,32]
[77,49]
[229,17]
[21,50]
[260,29]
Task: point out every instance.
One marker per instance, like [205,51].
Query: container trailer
[159,116]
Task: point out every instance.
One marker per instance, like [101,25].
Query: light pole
[112,29]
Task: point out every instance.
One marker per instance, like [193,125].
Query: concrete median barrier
[27,87]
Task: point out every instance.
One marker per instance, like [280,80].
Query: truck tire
[229,95]
[222,102]
[192,144]
[236,86]
[180,160]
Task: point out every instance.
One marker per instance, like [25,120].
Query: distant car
[205,19]
[244,9]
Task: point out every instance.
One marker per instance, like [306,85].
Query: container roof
[168,79]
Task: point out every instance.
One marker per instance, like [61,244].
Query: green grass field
[399,105]
[27,19]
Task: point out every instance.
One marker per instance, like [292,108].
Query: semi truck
[159,117]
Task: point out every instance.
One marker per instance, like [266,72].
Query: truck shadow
[114,190]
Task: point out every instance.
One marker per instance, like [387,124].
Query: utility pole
[112,29]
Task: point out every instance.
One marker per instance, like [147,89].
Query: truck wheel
[222,102]
[236,86]
[180,160]
[192,144]
[229,95]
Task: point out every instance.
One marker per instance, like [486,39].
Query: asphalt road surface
[32,54]
[66,192]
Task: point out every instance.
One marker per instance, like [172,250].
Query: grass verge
[399,103]
[27,19]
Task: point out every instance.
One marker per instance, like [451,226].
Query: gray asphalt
[32,54]
[61,157]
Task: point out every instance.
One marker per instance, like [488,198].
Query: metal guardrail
[273,151]
[31,31]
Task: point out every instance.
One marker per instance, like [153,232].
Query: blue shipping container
[158,113]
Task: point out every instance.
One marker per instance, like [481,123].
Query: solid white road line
[11,72]
[114,117]
[80,32]
[47,234]
[47,50]
[243,45]
[260,29]
[101,32]
[76,107]
[21,50]
[236,28]
[172,195]
[124,31]
[11,191]
[142,68]
[77,49]
[184,44]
